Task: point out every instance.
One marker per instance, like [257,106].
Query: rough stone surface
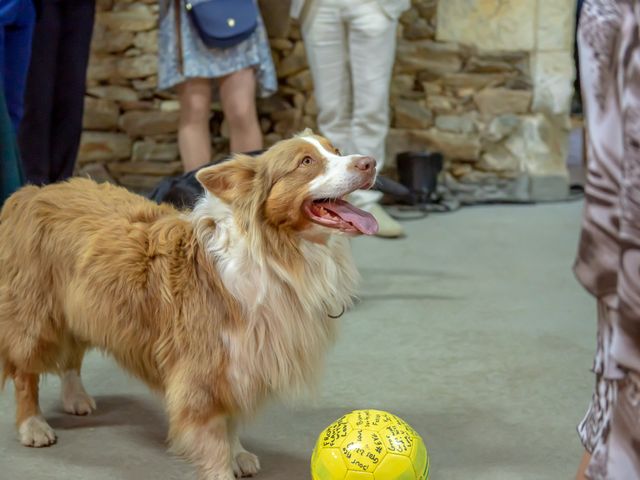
[147,41]
[499,101]
[412,114]
[110,41]
[138,105]
[429,56]
[272,138]
[276,17]
[432,88]
[113,92]
[499,159]
[553,79]
[135,18]
[287,122]
[281,44]
[97,172]
[161,169]
[104,5]
[102,67]
[103,147]
[488,24]
[139,183]
[468,78]
[487,187]
[100,114]
[310,106]
[419,30]
[489,64]
[541,145]
[294,62]
[398,141]
[475,81]
[403,85]
[441,103]
[148,150]
[139,66]
[149,83]
[556,24]
[502,126]
[451,145]
[456,123]
[170,106]
[272,104]
[140,123]
[301,81]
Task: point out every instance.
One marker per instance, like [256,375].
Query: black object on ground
[418,172]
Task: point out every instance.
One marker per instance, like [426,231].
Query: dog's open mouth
[339,214]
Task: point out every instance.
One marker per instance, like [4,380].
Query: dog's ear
[230,179]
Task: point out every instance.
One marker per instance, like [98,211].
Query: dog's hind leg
[33,429]
[75,398]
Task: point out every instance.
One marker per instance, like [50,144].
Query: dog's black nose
[365,164]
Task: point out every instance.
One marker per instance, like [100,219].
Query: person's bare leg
[586,458]
[238,99]
[194,137]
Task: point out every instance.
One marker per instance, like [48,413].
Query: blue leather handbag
[223,23]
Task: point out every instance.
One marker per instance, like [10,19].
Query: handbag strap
[177,5]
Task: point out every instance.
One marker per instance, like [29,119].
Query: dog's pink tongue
[363,221]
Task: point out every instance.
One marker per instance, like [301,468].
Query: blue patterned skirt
[200,61]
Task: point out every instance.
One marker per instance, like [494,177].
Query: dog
[217,309]
[183,191]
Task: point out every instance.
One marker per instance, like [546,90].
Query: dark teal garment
[11,178]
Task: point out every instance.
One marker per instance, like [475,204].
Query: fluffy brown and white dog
[217,309]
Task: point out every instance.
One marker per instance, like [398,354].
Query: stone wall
[523,118]
[479,81]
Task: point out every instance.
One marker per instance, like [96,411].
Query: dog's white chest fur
[287,324]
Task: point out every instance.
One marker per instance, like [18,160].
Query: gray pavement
[472,329]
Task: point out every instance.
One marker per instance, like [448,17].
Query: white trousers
[350,47]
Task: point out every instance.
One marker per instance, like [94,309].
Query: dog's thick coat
[216,309]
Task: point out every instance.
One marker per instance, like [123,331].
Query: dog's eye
[338,152]
[307,161]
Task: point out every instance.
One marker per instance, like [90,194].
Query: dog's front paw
[36,432]
[78,403]
[245,464]
[217,476]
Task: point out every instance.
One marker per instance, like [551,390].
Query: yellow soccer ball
[369,445]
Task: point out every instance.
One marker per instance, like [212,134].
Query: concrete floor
[472,329]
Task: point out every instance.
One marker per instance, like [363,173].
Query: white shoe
[388,227]
[367,200]
[364,198]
